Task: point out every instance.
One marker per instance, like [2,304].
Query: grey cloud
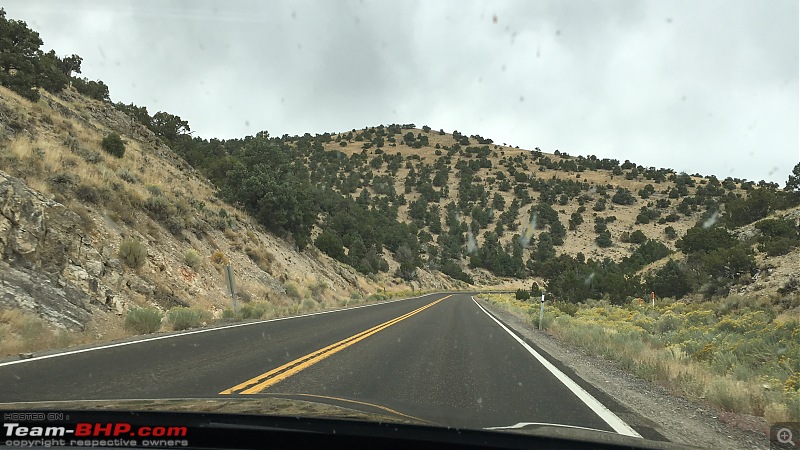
[709,87]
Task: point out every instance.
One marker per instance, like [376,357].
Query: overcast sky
[696,85]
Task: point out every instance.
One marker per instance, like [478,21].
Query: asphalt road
[439,358]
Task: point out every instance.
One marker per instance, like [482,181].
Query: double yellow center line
[265,380]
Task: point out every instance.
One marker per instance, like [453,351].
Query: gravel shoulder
[676,418]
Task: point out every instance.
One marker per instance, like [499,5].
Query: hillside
[540,206]
[53,162]
[108,208]
[68,205]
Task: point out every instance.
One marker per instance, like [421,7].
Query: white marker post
[231,286]
[541,313]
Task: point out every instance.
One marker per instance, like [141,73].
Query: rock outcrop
[36,235]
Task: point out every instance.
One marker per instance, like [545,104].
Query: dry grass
[639,340]
[23,332]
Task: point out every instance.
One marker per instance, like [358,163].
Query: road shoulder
[675,418]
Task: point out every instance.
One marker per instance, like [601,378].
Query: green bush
[132,253]
[603,239]
[128,176]
[523,294]
[623,197]
[637,237]
[228,314]
[292,290]
[778,246]
[192,258]
[143,320]
[600,205]
[161,209]
[87,193]
[317,288]
[567,308]
[255,310]
[309,304]
[159,206]
[114,145]
[182,318]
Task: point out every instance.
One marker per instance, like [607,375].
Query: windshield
[514,217]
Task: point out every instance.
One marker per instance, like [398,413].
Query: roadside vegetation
[740,354]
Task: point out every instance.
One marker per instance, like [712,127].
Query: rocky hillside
[67,206]
[107,207]
[477,214]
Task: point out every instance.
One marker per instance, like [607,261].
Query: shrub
[87,193]
[228,314]
[114,145]
[192,258]
[254,310]
[668,322]
[778,246]
[159,206]
[63,180]
[637,237]
[623,197]
[567,308]
[317,288]
[523,294]
[600,205]
[183,318]
[292,290]
[90,156]
[309,304]
[143,320]
[132,253]
[218,258]
[603,239]
[727,394]
[262,258]
[790,286]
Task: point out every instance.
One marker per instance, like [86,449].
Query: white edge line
[204,330]
[604,413]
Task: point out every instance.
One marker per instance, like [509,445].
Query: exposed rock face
[35,238]
[35,232]
[63,305]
